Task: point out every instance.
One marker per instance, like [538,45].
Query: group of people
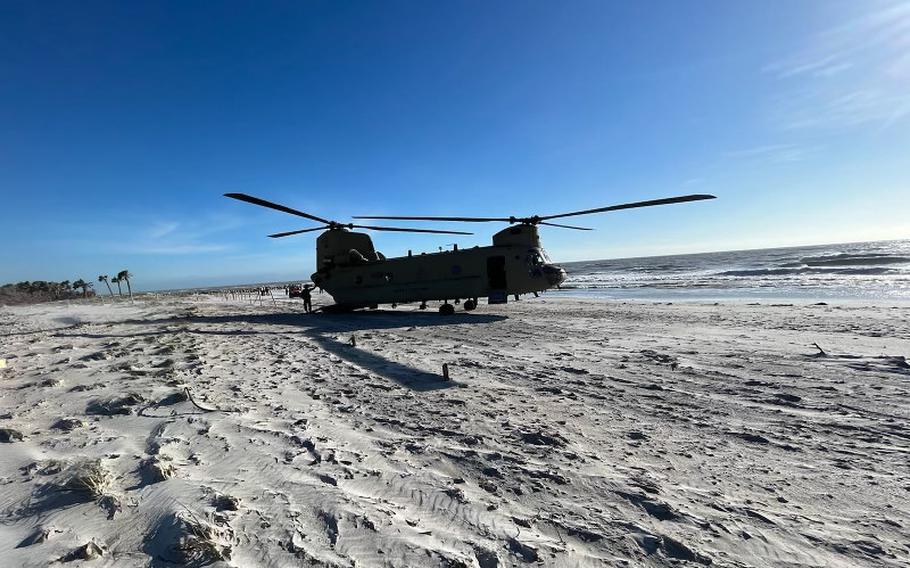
[305,293]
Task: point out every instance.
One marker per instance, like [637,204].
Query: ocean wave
[638,285]
[808,270]
[845,259]
[859,269]
[616,278]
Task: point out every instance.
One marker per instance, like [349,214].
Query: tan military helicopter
[356,275]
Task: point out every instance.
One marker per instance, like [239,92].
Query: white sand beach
[571,433]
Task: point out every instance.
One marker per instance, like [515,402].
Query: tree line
[43,291]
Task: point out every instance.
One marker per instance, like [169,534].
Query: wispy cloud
[879,38]
[155,237]
[162,229]
[772,153]
[168,249]
[854,74]
[825,66]
[173,238]
[693,182]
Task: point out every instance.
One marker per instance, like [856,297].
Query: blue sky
[121,125]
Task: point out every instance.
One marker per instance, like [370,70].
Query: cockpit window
[535,259]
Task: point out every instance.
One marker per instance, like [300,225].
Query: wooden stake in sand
[196,404]
[445,371]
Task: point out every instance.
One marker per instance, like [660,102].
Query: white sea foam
[872,270]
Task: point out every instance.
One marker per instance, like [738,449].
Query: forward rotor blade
[289,233]
[277,207]
[401,230]
[665,201]
[566,226]
[426,218]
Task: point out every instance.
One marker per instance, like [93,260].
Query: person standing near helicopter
[306,295]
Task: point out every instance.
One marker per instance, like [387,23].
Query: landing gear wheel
[447,309]
[470,305]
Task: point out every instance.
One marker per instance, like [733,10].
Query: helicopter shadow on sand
[324,329]
[405,375]
[328,326]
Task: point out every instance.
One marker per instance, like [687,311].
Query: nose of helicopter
[555,274]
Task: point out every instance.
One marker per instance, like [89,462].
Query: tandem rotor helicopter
[356,275]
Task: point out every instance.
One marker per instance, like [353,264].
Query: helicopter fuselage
[360,277]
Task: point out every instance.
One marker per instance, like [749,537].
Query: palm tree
[125,275]
[104,278]
[64,287]
[116,281]
[83,285]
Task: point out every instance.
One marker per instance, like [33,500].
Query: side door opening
[496,280]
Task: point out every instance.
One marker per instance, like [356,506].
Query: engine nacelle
[522,235]
[339,247]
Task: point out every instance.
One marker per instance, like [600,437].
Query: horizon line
[740,250]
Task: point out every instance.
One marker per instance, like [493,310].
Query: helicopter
[358,276]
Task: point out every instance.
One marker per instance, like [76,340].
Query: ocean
[870,271]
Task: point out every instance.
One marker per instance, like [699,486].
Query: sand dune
[571,433]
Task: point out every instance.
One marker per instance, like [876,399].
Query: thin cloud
[826,66]
[173,249]
[851,75]
[150,247]
[879,37]
[154,238]
[771,153]
[842,109]
[162,229]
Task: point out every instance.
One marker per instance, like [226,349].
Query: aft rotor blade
[289,233]
[566,226]
[275,206]
[401,230]
[426,218]
[665,201]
